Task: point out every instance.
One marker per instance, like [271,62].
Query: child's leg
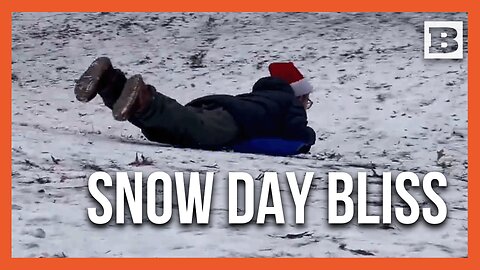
[160,118]
[168,121]
[115,82]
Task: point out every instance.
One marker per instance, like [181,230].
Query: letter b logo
[443,39]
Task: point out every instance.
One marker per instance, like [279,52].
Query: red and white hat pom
[289,73]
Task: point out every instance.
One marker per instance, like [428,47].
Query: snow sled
[272,146]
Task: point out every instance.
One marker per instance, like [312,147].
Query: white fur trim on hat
[302,87]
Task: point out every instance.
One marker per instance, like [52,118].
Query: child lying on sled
[270,120]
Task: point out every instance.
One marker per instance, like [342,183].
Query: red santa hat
[289,73]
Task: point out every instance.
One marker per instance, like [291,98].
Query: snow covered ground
[378,105]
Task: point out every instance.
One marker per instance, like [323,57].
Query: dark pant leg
[112,86]
[167,121]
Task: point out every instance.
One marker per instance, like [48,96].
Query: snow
[378,104]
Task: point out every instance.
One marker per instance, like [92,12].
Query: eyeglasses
[308,103]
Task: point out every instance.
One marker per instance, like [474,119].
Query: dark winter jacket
[271,110]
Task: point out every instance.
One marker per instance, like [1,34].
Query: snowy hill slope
[378,105]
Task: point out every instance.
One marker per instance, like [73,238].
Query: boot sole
[122,109]
[87,86]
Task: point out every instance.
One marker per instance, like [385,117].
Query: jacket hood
[272,83]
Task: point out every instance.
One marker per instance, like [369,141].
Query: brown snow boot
[136,97]
[87,87]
